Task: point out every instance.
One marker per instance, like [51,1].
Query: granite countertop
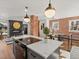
[45,49]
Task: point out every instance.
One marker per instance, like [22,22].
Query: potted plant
[46,32]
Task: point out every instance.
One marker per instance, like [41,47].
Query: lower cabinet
[18,51]
[55,54]
[32,55]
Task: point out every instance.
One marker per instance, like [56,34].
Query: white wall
[66,8]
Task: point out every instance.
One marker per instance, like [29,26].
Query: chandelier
[50,11]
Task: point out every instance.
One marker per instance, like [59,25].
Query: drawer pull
[33,55]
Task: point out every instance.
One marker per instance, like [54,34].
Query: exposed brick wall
[64,24]
[34,25]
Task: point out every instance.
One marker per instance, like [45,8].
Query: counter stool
[61,56]
[1,37]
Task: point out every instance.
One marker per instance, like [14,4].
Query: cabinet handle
[33,55]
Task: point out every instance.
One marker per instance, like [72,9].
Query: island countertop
[45,49]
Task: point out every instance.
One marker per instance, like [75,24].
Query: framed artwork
[55,25]
[15,27]
[74,25]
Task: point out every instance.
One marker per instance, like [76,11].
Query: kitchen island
[45,49]
[41,49]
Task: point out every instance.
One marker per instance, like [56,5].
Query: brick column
[34,25]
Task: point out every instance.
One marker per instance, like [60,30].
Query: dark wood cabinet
[18,51]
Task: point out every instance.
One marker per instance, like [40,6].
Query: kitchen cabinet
[32,55]
[18,51]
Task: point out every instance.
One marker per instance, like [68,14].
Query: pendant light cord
[49,1]
[26,9]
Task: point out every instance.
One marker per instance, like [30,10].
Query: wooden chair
[1,37]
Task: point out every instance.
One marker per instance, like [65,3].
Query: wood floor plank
[6,51]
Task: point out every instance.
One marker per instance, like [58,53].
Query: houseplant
[46,32]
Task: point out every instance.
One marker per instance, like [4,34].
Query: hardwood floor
[6,51]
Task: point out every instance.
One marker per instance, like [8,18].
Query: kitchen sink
[28,40]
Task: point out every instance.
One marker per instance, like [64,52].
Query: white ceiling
[15,8]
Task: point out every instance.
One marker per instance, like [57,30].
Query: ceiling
[10,9]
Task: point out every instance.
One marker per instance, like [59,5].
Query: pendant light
[50,10]
[26,18]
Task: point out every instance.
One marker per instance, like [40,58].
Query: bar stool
[60,53]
